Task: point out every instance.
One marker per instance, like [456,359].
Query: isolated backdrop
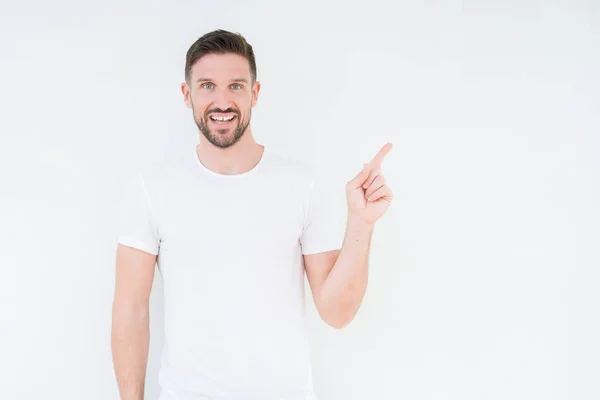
[484,272]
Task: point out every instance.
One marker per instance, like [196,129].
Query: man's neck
[237,159]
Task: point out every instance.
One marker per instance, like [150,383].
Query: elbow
[338,317]
[339,311]
[127,312]
[338,323]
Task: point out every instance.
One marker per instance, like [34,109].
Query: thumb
[360,178]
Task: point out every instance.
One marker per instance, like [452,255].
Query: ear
[185,90]
[255,91]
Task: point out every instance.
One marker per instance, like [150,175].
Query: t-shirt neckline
[250,172]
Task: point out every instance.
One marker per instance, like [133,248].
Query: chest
[228,223]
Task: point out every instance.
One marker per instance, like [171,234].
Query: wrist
[357,223]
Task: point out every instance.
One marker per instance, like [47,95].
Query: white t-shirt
[230,254]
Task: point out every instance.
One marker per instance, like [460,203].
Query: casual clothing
[230,253]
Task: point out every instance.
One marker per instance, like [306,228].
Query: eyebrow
[210,80]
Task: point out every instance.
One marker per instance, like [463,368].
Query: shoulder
[290,169]
[301,177]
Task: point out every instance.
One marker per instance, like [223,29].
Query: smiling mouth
[222,119]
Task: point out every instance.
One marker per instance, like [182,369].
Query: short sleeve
[136,225]
[322,229]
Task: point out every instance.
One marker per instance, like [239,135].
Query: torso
[231,264]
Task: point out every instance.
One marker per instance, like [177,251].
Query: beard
[223,138]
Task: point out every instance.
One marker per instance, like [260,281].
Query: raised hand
[367,194]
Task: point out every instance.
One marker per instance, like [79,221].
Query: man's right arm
[130,319]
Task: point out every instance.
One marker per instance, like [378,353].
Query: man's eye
[206,86]
[236,86]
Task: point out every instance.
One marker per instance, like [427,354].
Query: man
[233,228]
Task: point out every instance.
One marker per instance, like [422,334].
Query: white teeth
[215,118]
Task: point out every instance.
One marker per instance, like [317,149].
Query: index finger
[378,159]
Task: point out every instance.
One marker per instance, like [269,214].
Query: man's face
[221,96]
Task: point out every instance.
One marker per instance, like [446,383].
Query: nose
[222,99]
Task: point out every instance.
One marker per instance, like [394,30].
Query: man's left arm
[338,278]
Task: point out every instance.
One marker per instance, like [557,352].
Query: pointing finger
[378,159]
[374,174]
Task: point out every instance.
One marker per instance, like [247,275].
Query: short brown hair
[219,42]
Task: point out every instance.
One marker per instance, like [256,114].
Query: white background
[484,279]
